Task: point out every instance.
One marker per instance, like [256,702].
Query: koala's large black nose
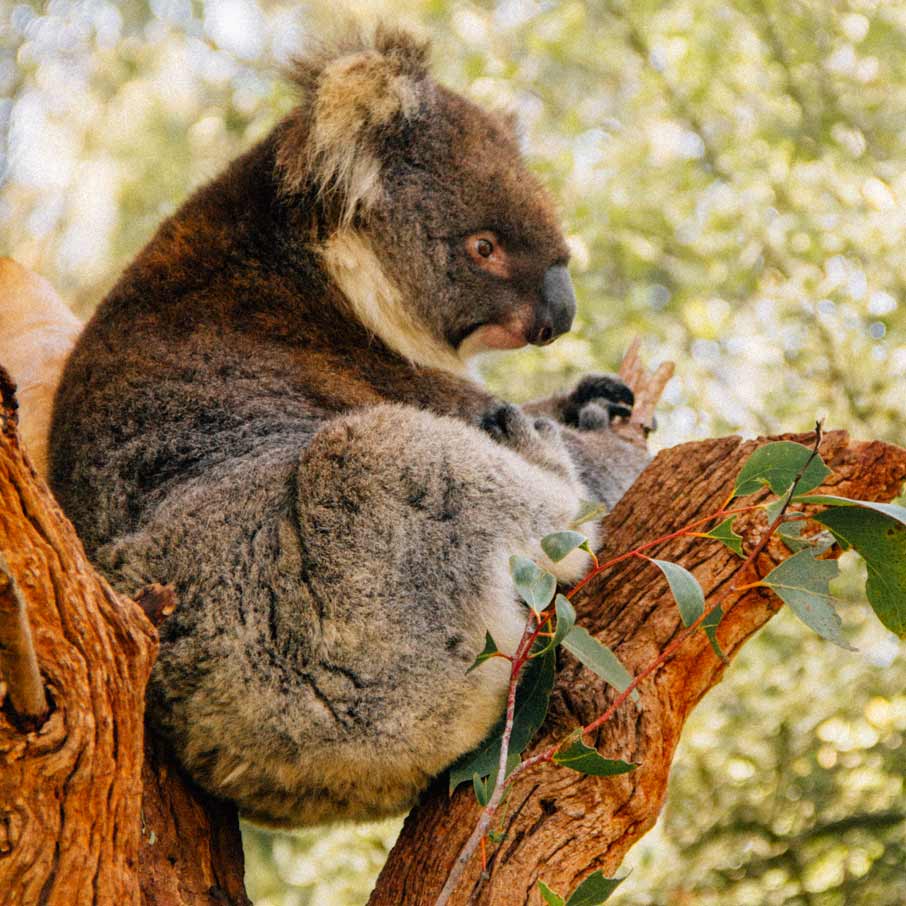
[554,316]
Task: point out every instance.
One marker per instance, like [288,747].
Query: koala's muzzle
[554,315]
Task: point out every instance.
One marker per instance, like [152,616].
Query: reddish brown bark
[87,814]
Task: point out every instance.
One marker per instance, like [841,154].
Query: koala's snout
[554,316]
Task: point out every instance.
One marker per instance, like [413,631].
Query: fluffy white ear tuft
[353,95]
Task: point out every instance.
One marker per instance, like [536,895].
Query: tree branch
[561,825]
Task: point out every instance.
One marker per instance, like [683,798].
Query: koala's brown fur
[273,411]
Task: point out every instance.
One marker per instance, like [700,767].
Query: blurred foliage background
[733,180]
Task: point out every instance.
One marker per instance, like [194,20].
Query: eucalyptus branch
[536,622]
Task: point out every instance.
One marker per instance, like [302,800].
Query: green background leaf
[536,586]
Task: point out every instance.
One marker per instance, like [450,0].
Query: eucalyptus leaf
[551,898]
[777,465]
[532,699]
[536,586]
[880,539]
[566,619]
[712,621]
[490,650]
[558,545]
[802,583]
[598,658]
[686,591]
[577,756]
[482,794]
[724,532]
[589,511]
[594,890]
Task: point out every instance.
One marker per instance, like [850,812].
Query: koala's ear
[354,95]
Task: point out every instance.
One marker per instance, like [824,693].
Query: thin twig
[484,822]
[18,662]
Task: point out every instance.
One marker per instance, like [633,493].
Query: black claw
[500,421]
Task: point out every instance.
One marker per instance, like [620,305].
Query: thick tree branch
[561,825]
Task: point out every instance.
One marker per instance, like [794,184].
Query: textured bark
[561,825]
[77,826]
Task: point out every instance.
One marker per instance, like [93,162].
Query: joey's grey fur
[272,412]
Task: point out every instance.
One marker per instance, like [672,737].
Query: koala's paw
[537,439]
[597,400]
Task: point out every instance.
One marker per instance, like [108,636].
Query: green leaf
[802,582]
[536,586]
[891,510]
[691,600]
[777,465]
[589,511]
[594,890]
[598,658]
[566,619]
[880,539]
[532,699]
[712,621]
[490,650]
[482,793]
[724,532]
[558,545]
[579,757]
[551,898]
[686,591]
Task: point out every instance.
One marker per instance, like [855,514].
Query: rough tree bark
[87,815]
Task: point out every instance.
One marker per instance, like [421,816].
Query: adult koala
[272,411]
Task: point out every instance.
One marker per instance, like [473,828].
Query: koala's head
[441,240]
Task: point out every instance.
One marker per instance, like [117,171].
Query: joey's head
[440,239]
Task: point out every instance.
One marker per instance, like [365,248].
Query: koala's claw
[597,400]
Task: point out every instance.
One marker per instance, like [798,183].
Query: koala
[274,412]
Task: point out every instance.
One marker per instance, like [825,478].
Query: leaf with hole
[532,699]
[536,586]
[577,756]
[802,583]
[777,465]
[558,545]
[598,658]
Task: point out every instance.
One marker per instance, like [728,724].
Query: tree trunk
[89,815]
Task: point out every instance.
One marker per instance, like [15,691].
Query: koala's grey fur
[270,412]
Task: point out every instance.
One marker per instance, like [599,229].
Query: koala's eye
[486,251]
